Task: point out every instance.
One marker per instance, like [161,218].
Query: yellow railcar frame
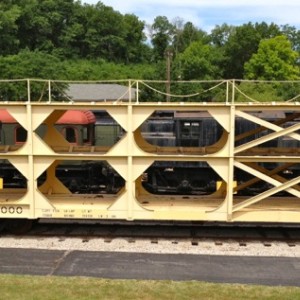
[130,157]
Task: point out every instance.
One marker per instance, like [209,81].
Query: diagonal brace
[271,173]
[266,178]
[266,138]
[263,128]
[266,124]
[266,194]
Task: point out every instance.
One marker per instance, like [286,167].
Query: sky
[206,14]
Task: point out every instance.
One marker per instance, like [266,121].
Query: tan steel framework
[131,156]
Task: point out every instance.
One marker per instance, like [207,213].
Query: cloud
[132,4]
[205,14]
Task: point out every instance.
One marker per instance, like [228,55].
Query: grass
[52,288]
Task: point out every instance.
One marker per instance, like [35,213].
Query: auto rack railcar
[191,161]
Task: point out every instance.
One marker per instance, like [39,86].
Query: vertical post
[230,185]
[227,91]
[233,91]
[169,55]
[130,183]
[28,90]
[49,91]
[129,91]
[31,181]
[137,91]
[31,186]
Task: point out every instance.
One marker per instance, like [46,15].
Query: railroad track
[219,234]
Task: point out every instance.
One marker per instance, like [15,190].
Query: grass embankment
[38,287]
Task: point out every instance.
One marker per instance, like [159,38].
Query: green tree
[274,60]
[73,41]
[99,69]
[186,35]
[104,36]
[69,29]
[162,32]
[136,50]
[28,64]
[8,28]
[293,35]
[220,35]
[242,43]
[199,61]
[42,23]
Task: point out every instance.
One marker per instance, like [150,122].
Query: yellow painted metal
[132,155]
[1,183]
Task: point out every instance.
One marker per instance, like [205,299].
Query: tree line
[65,39]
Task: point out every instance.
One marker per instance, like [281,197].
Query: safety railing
[136,91]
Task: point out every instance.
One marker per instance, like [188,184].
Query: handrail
[229,91]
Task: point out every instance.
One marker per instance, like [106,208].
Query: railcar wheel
[18,226]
